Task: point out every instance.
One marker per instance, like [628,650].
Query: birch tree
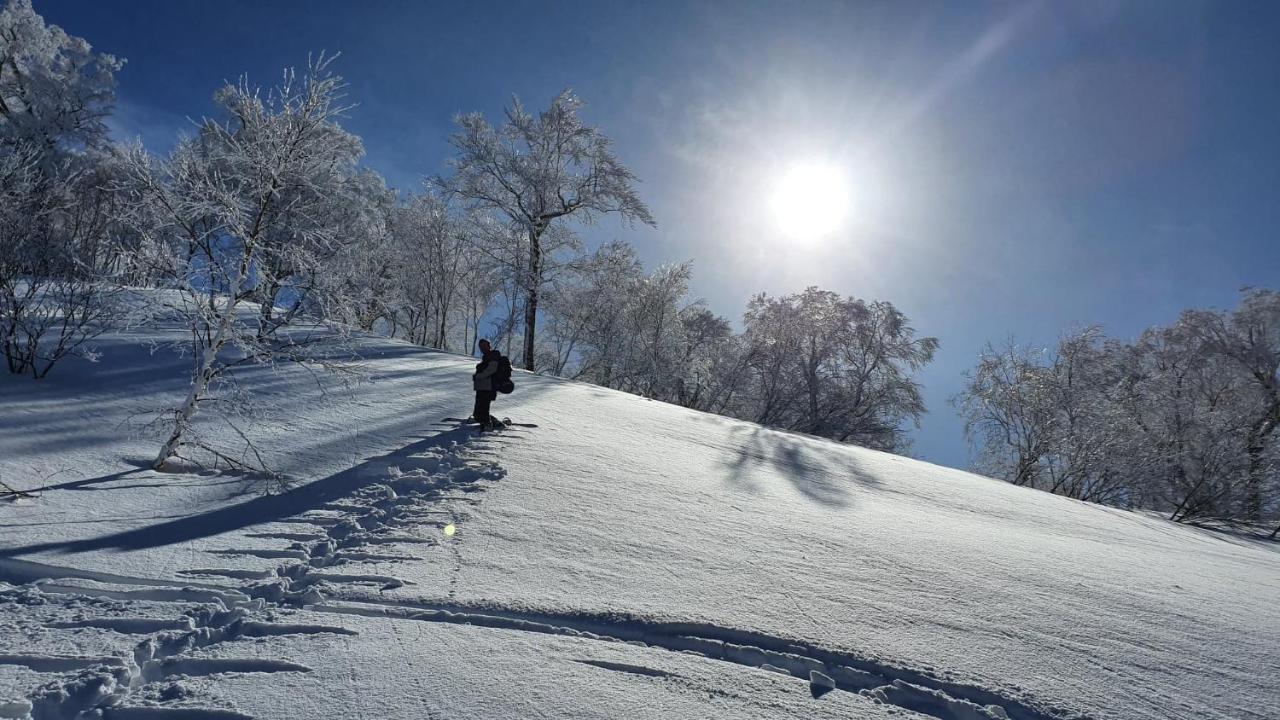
[537,171]
[254,190]
[433,249]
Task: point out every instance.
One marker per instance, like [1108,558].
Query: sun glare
[811,201]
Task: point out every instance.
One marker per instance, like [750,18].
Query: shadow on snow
[259,510]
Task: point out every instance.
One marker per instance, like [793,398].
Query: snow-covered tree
[1248,341]
[56,295]
[353,280]
[56,202]
[611,323]
[833,366]
[585,319]
[1007,413]
[1181,420]
[434,255]
[55,92]
[1043,418]
[305,266]
[656,332]
[254,200]
[537,171]
[711,364]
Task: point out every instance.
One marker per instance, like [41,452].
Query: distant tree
[240,207]
[1181,420]
[1008,414]
[706,365]
[585,327]
[433,248]
[653,334]
[304,262]
[836,367]
[535,171]
[1248,340]
[365,267]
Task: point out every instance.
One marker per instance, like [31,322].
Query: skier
[483,382]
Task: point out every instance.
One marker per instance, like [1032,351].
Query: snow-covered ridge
[623,558]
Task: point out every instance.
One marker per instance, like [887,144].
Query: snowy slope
[624,558]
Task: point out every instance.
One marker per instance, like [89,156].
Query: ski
[505,421]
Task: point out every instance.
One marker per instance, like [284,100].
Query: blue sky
[1015,168]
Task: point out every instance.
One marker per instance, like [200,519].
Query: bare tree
[534,171]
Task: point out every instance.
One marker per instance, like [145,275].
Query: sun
[811,200]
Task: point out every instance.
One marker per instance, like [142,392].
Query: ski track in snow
[389,511]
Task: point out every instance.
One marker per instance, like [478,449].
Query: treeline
[268,239]
[1183,420]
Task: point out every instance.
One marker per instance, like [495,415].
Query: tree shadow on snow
[821,474]
[261,509]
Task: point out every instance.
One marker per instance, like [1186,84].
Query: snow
[624,558]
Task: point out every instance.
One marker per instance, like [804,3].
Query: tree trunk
[811,383]
[534,283]
[1180,513]
[12,351]
[1253,484]
[204,374]
[266,315]
[184,414]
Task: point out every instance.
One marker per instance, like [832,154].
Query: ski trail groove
[196,667]
[163,713]
[626,668]
[129,626]
[58,663]
[878,681]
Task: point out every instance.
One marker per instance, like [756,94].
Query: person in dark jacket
[482,382]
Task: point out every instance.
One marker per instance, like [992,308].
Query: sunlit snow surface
[624,558]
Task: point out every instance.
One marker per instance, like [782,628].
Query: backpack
[502,379]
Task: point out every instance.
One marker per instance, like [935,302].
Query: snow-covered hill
[622,559]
